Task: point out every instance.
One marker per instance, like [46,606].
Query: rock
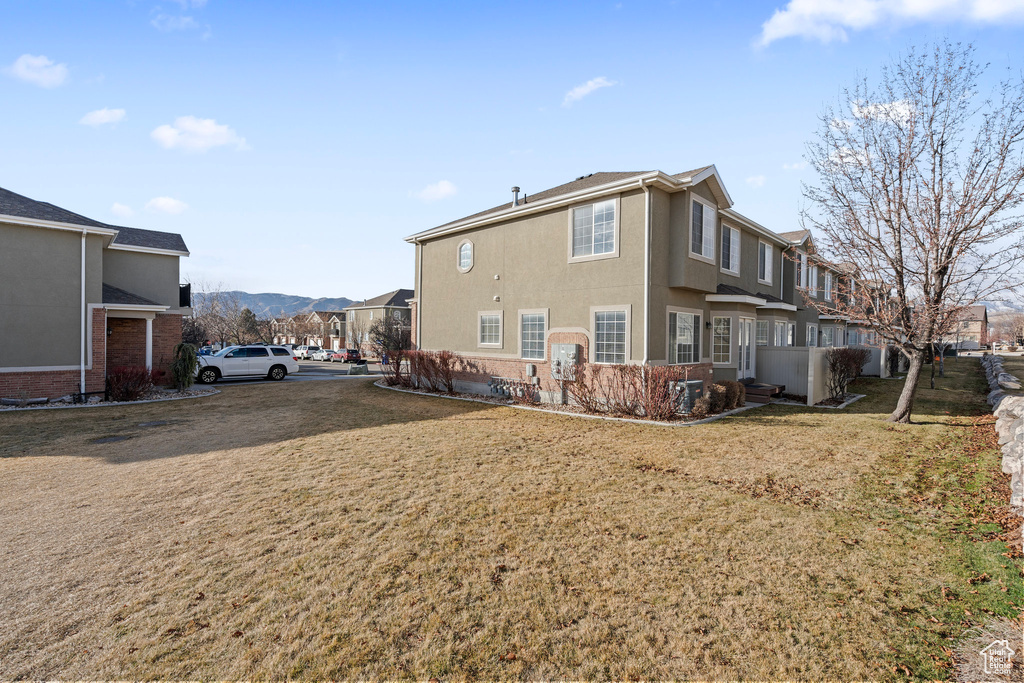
[995,396]
[1009,382]
[359,370]
[95,399]
[1007,429]
[1010,406]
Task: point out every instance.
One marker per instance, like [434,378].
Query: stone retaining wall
[1009,411]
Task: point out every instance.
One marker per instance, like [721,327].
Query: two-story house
[810,279]
[972,332]
[631,267]
[361,316]
[79,297]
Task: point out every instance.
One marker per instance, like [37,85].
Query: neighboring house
[633,267]
[362,315]
[325,329]
[79,297]
[809,278]
[972,333]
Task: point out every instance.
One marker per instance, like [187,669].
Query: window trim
[809,336]
[831,329]
[769,265]
[729,317]
[812,282]
[785,334]
[472,256]
[737,247]
[614,253]
[547,329]
[501,329]
[668,334]
[829,285]
[801,270]
[689,233]
[593,331]
[767,331]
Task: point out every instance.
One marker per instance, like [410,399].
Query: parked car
[272,362]
[322,354]
[305,352]
[352,356]
[336,356]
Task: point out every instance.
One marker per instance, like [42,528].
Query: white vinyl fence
[801,369]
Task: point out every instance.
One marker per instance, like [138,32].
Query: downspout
[81,378]
[647,269]
[419,295]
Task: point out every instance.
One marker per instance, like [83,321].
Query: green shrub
[183,366]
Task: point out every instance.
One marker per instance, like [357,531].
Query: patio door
[748,357]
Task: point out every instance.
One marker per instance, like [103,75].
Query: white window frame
[706,241]
[714,326]
[614,253]
[828,336]
[458,256]
[769,262]
[828,285]
[812,335]
[781,333]
[757,332]
[734,249]
[594,310]
[699,331]
[813,284]
[791,337]
[544,341]
[479,329]
[801,267]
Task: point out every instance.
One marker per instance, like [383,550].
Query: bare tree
[918,189]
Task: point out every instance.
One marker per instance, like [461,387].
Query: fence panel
[786,365]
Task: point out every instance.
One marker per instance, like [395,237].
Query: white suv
[306,352]
[272,362]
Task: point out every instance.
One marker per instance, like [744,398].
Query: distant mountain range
[1003,307]
[270,304]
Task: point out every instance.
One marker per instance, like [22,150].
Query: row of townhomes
[349,328]
[81,297]
[623,267]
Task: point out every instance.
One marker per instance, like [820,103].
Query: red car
[351,355]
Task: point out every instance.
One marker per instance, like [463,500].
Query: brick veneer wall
[126,344]
[415,305]
[57,383]
[166,335]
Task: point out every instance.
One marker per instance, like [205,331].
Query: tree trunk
[906,403]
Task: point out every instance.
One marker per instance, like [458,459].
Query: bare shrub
[701,408]
[622,390]
[128,383]
[844,365]
[658,400]
[732,393]
[718,398]
[446,363]
[583,388]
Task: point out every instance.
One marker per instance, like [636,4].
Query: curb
[108,404]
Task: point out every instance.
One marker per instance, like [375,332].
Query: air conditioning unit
[687,393]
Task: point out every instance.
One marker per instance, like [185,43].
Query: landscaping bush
[622,390]
[433,370]
[701,408]
[128,383]
[446,363]
[658,401]
[183,366]
[843,366]
[732,393]
[583,388]
[717,399]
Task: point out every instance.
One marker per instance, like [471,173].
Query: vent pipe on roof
[515,196]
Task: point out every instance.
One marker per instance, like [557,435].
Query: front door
[748,359]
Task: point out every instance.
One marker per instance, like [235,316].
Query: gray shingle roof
[13,204]
[399,297]
[735,291]
[770,298]
[795,235]
[114,295]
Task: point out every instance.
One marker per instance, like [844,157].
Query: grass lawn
[340,530]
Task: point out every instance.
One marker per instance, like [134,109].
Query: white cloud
[829,20]
[439,190]
[102,116]
[197,135]
[898,110]
[756,181]
[581,91]
[168,23]
[123,210]
[797,166]
[166,205]
[185,4]
[41,71]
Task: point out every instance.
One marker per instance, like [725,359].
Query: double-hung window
[828,286]
[765,254]
[610,337]
[731,250]
[593,229]
[683,338]
[801,270]
[532,335]
[721,344]
[812,335]
[490,329]
[762,333]
[703,220]
[828,336]
[813,286]
[780,333]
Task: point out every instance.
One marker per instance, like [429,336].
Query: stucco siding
[153,276]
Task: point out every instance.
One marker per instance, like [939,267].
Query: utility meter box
[564,359]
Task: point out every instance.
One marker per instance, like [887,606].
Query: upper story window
[765,257]
[465,256]
[730,249]
[683,338]
[813,283]
[594,230]
[801,270]
[828,287]
[703,220]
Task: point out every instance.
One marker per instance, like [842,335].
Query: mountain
[1003,307]
[271,304]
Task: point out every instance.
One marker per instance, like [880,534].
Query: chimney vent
[515,196]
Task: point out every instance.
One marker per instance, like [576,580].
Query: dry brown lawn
[340,530]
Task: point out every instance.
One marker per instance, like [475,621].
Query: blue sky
[294,144]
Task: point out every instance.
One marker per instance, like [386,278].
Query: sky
[295,144]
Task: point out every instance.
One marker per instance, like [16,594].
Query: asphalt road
[309,371]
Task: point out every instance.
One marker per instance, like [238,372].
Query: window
[702,230]
[490,329]
[257,352]
[731,250]
[531,334]
[593,229]
[765,256]
[801,270]
[828,286]
[721,345]
[465,253]
[814,281]
[812,335]
[780,333]
[828,336]
[397,315]
[791,338]
[683,338]
[281,352]
[371,315]
[762,333]
[610,337]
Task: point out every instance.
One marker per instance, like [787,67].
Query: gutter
[647,269]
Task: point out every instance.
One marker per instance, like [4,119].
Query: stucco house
[79,297]
[361,315]
[632,267]
[973,330]
[809,278]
